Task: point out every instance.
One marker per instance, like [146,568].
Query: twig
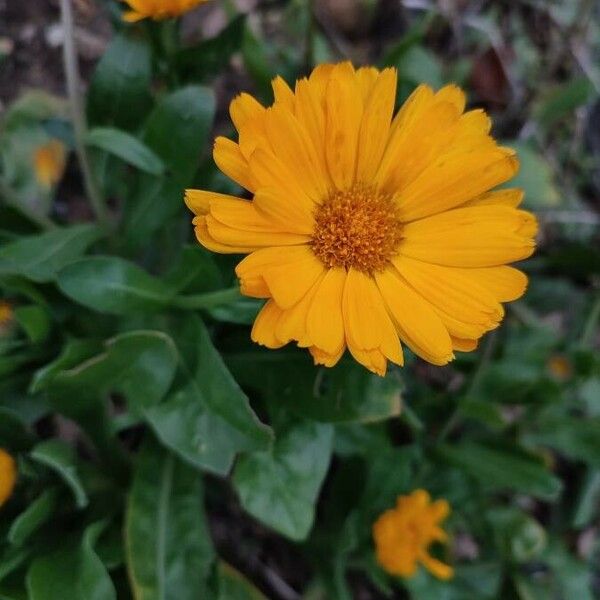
[285,591]
[78,115]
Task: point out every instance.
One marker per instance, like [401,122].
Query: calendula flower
[8,476]
[49,163]
[364,228]
[158,9]
[404,534]
[560,367]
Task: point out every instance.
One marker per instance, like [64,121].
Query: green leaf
[195,271]
[110,546]
[280,487]
[479,580]
[152,204]
[139,364]
[11,560]
[40,257]
[73,572]
[565,578]
[575,579]
[242,311]
[530,589]
[234,586]
[61,458]
[113,285]
[177,131]
[72,353]
[35,320]
[503,468]
[14,432]
[589,394]
[126,147]
[419,65]
[563,101]
[257,62]
[588,500]
[344,394]
[33,517]
[33,106]
[169,551]
[212,56]
[482,411]
[209,420]
[519,537]
[413,36]
[119,93]
[184,424]
[535,177]
[178,128]
[574,437]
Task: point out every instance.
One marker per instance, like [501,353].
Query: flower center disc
[357,228]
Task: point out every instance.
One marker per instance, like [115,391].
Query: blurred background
[534,64]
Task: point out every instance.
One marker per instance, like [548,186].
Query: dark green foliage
[164,456]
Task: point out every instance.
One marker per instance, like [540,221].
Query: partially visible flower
[158,9]
[560,367]
[6,314]
[8,476]
[367,229]
[49,161]
[403,535]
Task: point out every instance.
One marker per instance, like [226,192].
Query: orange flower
[158,9]
[8,476]
[367,230]
[403,535]
[560,367]
[49,161]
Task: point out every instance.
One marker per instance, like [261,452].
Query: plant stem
[41,220]
[207,300]
[455,417]
[78,114]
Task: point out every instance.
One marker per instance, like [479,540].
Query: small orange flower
[49,162]
[8,476]
[560,367]
[6,314]
[403,535]
[158,9]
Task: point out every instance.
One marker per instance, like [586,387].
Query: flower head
[8,476]
[560,367]
[49,162]
[403,535]
[158,9]
[366,229]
